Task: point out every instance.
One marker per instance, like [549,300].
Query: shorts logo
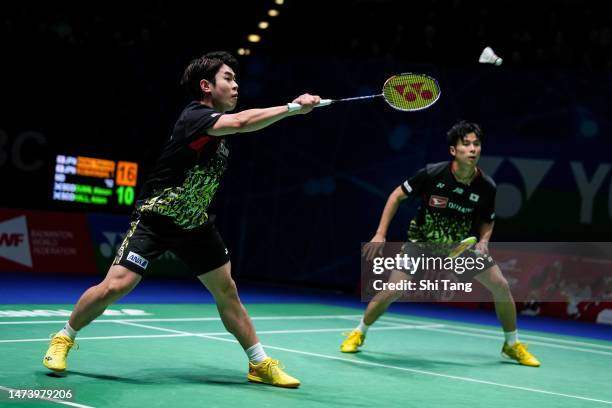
[407,187]
[222,150]
[138,260]
[438,202]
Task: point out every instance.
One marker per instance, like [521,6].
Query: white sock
[511,337]
[256,353]
[363,327]
[68,331]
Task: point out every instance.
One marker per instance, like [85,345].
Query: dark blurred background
[102,80]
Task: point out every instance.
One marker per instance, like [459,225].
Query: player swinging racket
[172,213]
[461,182]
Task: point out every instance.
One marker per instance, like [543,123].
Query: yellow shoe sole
[258,380]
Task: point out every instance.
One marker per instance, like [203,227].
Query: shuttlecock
[488,56]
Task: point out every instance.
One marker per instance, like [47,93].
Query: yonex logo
[438,202]
[407,187]
[411,92]
[459,190]
[138,260]
[510,198]
[440,185]
[474,197]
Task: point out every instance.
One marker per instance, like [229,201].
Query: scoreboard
[95,181]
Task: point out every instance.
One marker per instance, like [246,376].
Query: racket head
[409,92]
[462,247]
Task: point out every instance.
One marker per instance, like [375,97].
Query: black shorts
[149,236]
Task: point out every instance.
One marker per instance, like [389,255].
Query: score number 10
[126,177]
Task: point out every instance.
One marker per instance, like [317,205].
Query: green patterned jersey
[188,172]
[449,210]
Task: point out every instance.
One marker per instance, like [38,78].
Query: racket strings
[410,92]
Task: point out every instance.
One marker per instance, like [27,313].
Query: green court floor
[180,356]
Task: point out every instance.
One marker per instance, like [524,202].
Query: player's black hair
[460,129]
[206,67]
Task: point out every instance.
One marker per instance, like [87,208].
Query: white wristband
[292,107]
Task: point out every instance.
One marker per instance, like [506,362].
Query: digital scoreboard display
[95,181]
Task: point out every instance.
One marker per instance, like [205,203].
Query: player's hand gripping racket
[462,247]
[406,92]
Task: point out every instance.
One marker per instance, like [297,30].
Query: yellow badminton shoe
[519,353]
[354,340]
[271,372]
[55,359]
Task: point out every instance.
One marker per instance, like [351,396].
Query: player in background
[456,198]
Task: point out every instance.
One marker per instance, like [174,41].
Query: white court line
[384,319]
[489,331]
[497,337]
[146,336]
[339,330]
[59,401]
[151,336]
[189,319]
[368,363]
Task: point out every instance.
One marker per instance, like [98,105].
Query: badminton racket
[407,92]
[462,247]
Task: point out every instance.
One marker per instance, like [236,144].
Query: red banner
[42,241]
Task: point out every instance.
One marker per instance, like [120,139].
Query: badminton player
[172,213]
[472,194]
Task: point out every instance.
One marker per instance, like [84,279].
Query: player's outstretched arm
[254,119]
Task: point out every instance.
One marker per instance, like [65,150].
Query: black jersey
[189,170]
[449,210]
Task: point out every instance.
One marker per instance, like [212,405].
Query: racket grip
[292,107]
